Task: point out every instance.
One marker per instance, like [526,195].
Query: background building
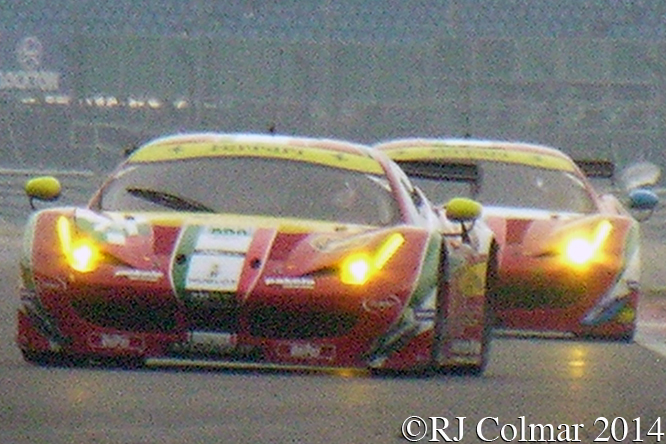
[80,79]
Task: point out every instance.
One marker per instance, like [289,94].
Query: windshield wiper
[169,200]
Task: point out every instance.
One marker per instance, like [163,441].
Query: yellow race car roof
[473,150]
[334,153]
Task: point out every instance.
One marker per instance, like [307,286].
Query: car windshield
[518,186]
[253,186]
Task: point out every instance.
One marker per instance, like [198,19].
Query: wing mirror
[465,211]
[46,188]
[643,199]
[642,203]
[638,179]
[462,209]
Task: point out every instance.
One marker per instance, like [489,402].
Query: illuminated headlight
[581,250]
[357,268]
[82,255]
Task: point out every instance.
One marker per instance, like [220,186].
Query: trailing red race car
[257,250]
[569,257]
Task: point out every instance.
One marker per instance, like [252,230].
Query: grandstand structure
[81,79]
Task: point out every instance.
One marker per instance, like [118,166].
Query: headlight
[356,269]
[82,254]
[581,250]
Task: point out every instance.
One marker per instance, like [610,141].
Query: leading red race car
[569,256]
[256,250]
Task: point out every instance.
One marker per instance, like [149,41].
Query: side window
[420,208]
[420,201]
[417,196]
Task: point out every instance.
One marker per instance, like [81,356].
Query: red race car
[256,250]
[569,256]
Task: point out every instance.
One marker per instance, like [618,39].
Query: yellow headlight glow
[82,254]
[64,234]
[580,251]
[83,257]
[357,268]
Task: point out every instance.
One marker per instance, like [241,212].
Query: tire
[42,359]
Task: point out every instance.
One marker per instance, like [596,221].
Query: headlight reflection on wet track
[577,362]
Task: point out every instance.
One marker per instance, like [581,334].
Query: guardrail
[77,187]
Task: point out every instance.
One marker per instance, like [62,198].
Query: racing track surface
[563,383]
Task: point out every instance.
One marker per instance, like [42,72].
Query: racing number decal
[217,261]
[210,259]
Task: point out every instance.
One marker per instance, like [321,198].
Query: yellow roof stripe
[442,152]
[285,225]
[189,150]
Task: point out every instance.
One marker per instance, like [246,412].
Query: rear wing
[597,168]
[443,170]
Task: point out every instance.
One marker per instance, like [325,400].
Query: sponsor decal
[214,343]
[140,275]
[463,152]
[54,284]
[217,261]
[290,282]
[116,341]
[464,360]
[213,340]
[424,314]
[224,239]
[212,296]
[221,147]
[110,228]
[22,80]
[29,53]
[306,350]
[214,273]
[463,347]
[381,304]
[328,244]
